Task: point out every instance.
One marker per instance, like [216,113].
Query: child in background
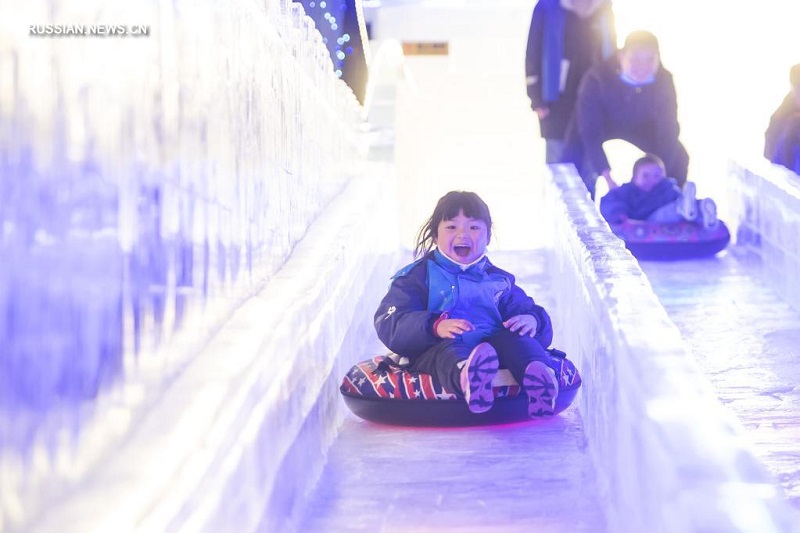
[653,197]
[458,317]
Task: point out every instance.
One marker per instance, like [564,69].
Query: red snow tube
[672,241]
[380,390]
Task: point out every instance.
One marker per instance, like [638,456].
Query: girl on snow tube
[458,318]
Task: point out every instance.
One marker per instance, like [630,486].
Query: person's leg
[687,203]
[586,171]
[554,150]
[441,362]
[694,210]
[462,368]
[703,211]
[574,153]
[666,213]
[589,177]
[677,163]
[515,351]
[708,213]
[528,362]
[477,375]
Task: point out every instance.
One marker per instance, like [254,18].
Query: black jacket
[609,108]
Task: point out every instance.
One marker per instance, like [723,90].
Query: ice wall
[151,183]
[238,439]
[765,208]
[670,457]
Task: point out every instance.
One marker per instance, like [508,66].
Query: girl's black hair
[447,208]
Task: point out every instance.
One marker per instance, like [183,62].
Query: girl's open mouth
[461,250]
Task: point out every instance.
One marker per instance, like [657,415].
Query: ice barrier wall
[670,457]
[765,207]
[158,357]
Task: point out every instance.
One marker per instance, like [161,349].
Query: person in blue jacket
[565,38]
[630,97]
[651,196]
[458,317]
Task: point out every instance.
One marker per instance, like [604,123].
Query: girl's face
[462,239]
[648,176]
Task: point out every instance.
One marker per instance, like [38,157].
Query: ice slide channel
[650,447]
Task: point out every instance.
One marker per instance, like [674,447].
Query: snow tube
[672,241]
[381,390]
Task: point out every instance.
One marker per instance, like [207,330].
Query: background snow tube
[673,241]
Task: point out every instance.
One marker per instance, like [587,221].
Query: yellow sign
[426,49]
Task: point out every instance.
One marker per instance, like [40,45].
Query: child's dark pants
[514,352]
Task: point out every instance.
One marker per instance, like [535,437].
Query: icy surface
[669,456]
[533,476]
[743,298]
[661,451]
[747,341]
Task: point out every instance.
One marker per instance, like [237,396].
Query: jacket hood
[582,8]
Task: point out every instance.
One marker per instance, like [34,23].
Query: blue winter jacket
[422,291]
[632,202]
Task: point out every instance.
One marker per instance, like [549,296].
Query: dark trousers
[514,352]
[554,150]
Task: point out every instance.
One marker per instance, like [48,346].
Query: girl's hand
[524,324]
[452,327]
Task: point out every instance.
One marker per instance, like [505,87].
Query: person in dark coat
[782,138]
[458,317]
[653,197]
[565,38]
[630,97]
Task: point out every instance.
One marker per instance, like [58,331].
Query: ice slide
[740,313]
[549,475]
[747,341]
[228,437]
[535,476]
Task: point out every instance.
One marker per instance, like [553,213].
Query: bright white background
[730,60]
